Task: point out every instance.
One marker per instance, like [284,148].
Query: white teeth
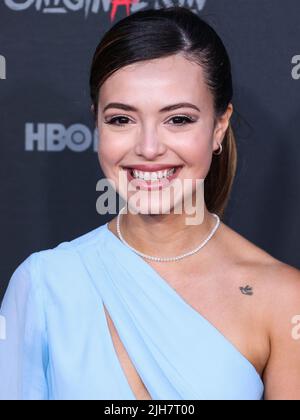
[153,176]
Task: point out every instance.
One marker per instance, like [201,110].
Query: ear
[221,126]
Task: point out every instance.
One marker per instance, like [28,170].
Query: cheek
[110,152]
[197,153]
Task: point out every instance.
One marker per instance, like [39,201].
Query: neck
[164,234]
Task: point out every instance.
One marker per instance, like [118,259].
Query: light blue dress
[57,344]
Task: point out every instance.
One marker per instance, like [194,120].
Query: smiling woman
[103,316]
[175,73]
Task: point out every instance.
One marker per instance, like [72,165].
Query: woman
[149,306]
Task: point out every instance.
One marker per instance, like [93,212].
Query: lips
[151,167]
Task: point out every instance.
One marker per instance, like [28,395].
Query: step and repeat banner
[48,147]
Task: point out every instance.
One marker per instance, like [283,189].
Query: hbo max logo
[56,138]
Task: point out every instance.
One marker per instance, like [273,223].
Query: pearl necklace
[167,259]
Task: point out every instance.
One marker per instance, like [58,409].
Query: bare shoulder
[275,283]
[265,293]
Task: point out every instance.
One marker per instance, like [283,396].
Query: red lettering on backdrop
[116,3]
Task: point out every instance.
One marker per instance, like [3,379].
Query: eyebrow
[126,107]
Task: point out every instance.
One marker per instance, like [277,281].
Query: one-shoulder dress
[55,343]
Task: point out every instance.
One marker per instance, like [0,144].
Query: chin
[154,203]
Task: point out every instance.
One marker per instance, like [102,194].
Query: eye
[188,120]
[113,119]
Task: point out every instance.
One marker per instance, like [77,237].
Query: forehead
[163,78]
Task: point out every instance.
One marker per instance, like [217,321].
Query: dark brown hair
[151,34]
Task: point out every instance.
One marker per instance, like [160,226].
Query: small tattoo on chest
[247,290]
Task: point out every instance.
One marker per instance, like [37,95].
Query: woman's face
[185,136]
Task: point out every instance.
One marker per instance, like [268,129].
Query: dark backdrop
[48,163]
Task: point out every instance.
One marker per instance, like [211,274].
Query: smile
[152,180]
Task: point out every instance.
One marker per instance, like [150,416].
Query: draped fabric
[58,344]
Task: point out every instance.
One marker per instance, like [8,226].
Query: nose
[149,145]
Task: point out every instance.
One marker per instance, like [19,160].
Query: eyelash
[188,119]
